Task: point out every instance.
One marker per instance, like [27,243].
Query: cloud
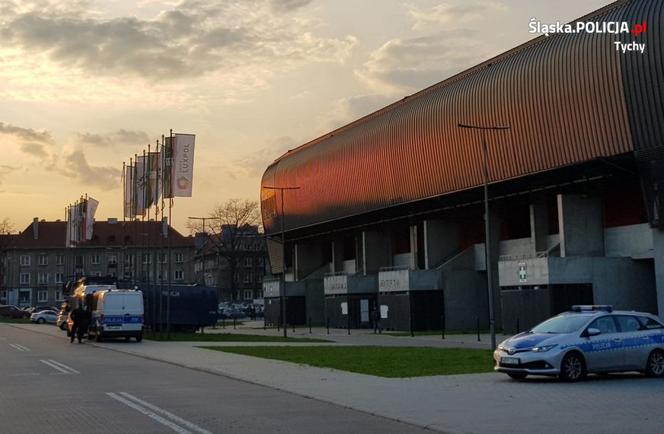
[255,163]
[26,133]
[402,66]
[74,165]
[282,6]
[35,149]
[6,170]
[348,109]
[119,137]
[193,38]
[453,16]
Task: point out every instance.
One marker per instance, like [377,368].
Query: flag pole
[169,235]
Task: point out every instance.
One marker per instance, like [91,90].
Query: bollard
[442,326]
[478,328]
[327,321]
[309,325]
[518,329]
[234,324]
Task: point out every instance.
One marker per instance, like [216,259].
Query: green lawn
[225,337]
[391,362]
[15,320]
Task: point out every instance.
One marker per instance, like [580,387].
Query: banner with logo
[90,211]
[183,165]
[153,192]
[139,186]
[128,191]
[167,173]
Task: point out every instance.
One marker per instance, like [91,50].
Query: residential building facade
[36,263]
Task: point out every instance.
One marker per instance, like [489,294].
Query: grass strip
[390,362]
[224,337]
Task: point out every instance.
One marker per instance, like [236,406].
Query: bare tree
[231,231]
[6,226]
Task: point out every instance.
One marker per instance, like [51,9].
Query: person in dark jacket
[81,320]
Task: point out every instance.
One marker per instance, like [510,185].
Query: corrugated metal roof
[568,99]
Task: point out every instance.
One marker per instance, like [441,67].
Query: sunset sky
[87,84]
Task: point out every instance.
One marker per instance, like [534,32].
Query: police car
[586,339]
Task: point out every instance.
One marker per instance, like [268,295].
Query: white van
[117,313]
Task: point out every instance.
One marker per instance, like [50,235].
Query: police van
[117,313]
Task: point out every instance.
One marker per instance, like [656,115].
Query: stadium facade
[388,219]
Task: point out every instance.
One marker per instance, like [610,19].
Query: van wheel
[655,364]
[139,337]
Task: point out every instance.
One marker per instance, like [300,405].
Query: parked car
[231,313]
[586,339]
[10,311]
[45,316]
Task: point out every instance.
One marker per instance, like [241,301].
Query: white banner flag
[141,177]
[90,211]
[183,164]
[128,191]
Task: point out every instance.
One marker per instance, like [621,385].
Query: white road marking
[63,366]
[166,413]
[150,414]
[24,374]
[19,347]
[64,369]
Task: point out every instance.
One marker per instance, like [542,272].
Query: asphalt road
[48,385]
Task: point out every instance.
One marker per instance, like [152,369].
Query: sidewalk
[365,336]
[476,403]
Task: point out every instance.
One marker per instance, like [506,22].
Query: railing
[336,273]
[538,255]
[395,268]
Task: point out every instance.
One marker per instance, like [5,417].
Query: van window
[113,302]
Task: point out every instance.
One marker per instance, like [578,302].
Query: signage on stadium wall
[271,288]
[337,284]
[394,281]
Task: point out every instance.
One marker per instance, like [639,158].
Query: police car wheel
[517,375]
[572,368]
[655,365]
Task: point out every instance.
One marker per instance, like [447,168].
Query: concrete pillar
[539,226]
[413,247]
[581,224]
[658,241]
[337,247]
[441,241]
[377,251]
[308,257]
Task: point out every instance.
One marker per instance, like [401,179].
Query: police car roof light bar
[592,308]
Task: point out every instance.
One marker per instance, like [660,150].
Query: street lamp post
[487,226]
[282,282]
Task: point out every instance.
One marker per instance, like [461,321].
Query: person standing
[76,316]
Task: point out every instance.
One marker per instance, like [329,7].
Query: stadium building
[388,217]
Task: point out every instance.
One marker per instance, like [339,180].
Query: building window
[25,260]
[94,259]
[248,294]
[179,275]
[248,261]
[58,295]
[60,260]
[247,278]
[43,260]
[179,258]
[260,261]
[259,278]
[127,274]
[25,278]
[42,278]
[42,296]
[3,296]
[59,277]
[162,258]
[146,258]
[80,261]
[112,260]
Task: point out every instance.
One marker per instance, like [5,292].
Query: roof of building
[51,235]
[568,98]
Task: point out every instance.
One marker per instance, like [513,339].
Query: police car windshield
[561,324]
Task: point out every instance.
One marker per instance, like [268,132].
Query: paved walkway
[478,403]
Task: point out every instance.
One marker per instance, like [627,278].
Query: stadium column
[377,251]
[581,225]
[539,225]
[658,241]
[441,242]
[308,257]
[337,247]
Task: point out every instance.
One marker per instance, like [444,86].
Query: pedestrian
[80,322]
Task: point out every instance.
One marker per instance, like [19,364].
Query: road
[48,385]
